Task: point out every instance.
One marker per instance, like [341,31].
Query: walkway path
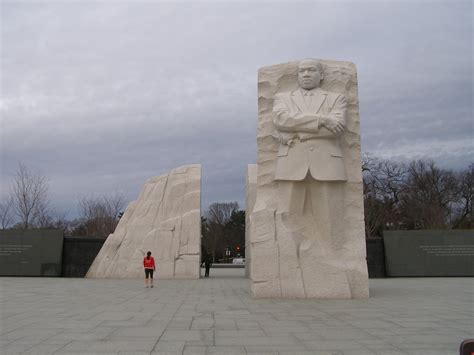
[218,316]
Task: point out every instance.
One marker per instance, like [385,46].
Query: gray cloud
[99,96]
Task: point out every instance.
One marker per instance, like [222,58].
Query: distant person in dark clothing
[149,265]
[207,263]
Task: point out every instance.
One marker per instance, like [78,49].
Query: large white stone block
[250,196]
[307,237]
[166,219]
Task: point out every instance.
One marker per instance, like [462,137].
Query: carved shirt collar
[311,92]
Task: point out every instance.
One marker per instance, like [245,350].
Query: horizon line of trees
[415,195]
[223,230]
[397,195]
[27,206]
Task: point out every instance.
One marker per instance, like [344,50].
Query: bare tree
[6,212]
[383,187]
[417,195]
[48,218]
[429,196]
[29,192]
[100,215]
[114,205]
[43,217]
[464,213]
[61,222]
[221,212]
[217,216]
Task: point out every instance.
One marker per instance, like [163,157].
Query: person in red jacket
[149,265]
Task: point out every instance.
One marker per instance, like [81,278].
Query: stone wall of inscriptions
[166,219]
[308,267]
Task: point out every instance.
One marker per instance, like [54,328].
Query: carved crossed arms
[334,121]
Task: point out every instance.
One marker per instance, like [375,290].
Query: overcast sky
[100,96]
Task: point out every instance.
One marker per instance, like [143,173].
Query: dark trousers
[207,270]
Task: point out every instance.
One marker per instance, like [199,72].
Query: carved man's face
[309,74]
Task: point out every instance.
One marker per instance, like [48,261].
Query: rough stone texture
[165,220]
[250,196]
[338,268]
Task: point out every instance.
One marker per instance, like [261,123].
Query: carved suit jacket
[305,144]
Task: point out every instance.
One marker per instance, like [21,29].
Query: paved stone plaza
[218,316]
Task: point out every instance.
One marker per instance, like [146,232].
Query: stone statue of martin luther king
[309,121]
[307,235]
[311,175]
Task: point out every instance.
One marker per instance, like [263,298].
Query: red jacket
[149,263]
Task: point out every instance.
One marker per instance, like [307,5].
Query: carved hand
[335,125]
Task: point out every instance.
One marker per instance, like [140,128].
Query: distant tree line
[415,195]
[223,228]
[397,195]
[28,207]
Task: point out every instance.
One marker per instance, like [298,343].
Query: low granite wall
[78,255]
[404,253]
[425,253]
[30,252]
[375,258]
